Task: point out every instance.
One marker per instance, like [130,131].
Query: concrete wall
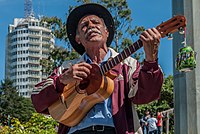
[187,85]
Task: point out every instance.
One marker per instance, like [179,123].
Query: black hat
[88,9]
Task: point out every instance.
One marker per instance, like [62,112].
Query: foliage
[56,57]
[38,124]
[13,105]
[58,27]
[165,101]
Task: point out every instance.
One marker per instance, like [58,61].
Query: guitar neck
[170,26]
[121,56]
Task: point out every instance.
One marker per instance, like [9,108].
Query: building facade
[28,41]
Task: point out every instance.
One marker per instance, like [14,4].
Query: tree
[38,124]
[57,26]
[165,101]
[13,105]
[56,57]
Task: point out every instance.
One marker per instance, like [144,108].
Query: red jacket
[134,85]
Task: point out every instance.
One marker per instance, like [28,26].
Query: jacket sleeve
[47,92]
[148,82]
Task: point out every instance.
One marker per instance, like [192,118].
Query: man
[90,30]
[143,121]
[151,122]
[160,122]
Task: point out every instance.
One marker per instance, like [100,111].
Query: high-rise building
[28,41]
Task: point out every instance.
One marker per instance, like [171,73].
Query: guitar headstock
[172,25]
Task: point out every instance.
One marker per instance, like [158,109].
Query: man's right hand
[77,72]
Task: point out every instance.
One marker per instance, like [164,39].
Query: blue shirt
[101,113]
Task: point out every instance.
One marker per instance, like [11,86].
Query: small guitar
[78,98]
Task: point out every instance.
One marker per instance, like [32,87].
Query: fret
[115,61]
[108,65]
[111,63]
[118,58]
[129,51]
[122,55]
[125,53]
[106,68]
[102,73]
[133,47]
[138,44]
[103,69]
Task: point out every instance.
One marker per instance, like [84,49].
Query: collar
[88,60]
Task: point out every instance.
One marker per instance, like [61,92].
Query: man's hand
[77,72]
[150,39]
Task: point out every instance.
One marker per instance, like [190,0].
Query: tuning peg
[181,30]
[169,36]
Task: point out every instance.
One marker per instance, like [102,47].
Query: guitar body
[75,102]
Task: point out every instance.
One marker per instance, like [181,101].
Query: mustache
[92,30]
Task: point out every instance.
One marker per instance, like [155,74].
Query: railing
[167,113]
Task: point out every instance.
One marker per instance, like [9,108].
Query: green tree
[38,124]
[13,105]
[164,102]
[57,26]
[56,57]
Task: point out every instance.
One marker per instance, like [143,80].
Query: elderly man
[90,30]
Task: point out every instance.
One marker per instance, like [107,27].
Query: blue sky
[144,13]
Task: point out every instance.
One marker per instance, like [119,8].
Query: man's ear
[77,38]
[107,32]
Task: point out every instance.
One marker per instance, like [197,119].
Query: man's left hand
[150,39]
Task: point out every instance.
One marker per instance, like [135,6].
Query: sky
[147,13]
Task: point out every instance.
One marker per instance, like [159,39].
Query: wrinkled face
[91,29]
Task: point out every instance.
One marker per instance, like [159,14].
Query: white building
[28,41]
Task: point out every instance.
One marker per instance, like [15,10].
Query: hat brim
[87,9]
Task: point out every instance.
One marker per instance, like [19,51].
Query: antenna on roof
[40,12]
[28,9]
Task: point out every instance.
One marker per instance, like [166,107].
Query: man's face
[91,29]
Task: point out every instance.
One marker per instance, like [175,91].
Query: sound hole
[84,84]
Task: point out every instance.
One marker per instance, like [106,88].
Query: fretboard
[121,56]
